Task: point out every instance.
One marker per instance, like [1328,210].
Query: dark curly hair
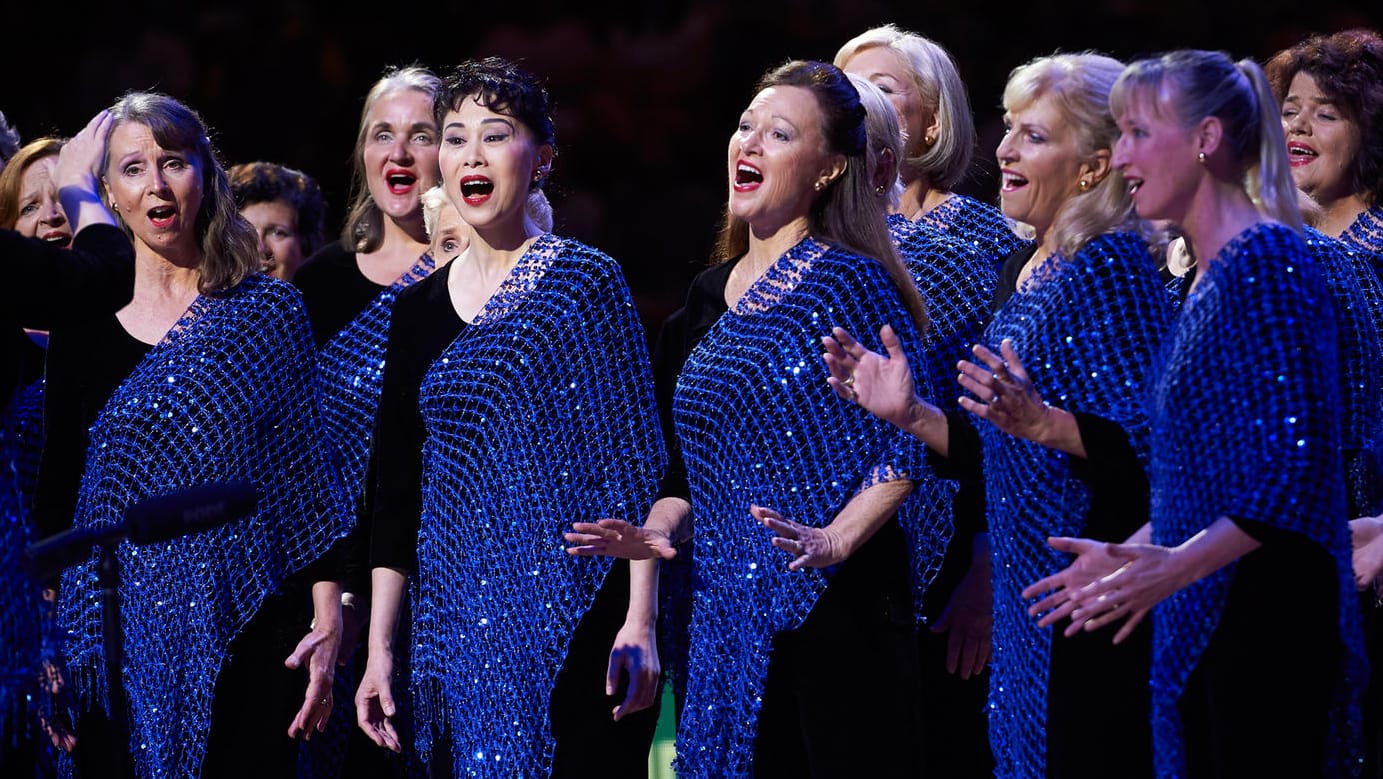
[265,182]
[505,88]
[1348,67]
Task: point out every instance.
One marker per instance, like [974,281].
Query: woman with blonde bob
[1237,691]
[922,82]
[1087,311]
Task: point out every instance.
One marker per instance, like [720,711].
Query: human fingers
[1012,363]
[991,360]
[1130,625]
[304,650]
[847,342]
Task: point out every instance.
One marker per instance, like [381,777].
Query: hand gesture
[374,702]
[79,161]
[617,538]
[969,620]
[881,385]
[1094,561]
[635,657]
[318,649]
[810,547]
[1007,396]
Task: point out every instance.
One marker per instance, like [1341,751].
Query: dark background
[645,96]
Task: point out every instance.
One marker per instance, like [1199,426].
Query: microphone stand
[108,576]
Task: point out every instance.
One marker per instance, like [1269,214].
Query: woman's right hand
[78,174]
[374,701]
[881,385]
[617,538]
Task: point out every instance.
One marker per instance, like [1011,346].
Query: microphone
[149,521]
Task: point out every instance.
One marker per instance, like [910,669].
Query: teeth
[1133,185]
[745,174]
[401,178]
[476,187]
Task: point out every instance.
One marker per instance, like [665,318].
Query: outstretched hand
[1094,561]
[318,649]
[810,547]
[1006,395]
[881,385]
[617,538]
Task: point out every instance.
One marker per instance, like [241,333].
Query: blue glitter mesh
[757,423]
[25,428]
[1358,296]
[1367,233]
[957,283]
[20,634]
[1087,329]
[1265,302]
[350,375]
[538,415]
[978,224]
[227,394]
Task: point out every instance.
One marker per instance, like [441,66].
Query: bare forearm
[672,518]
[1059,431]
[866,513]
[387,586]
[927,423]
[1213,548]
[326,606]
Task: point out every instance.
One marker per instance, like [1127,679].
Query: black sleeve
[419,330]
[964,458]
[669,354]
[1109,455]
[44,281]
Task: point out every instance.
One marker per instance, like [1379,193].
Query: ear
[835,168]
[933,130]
[1097,167]
[885,170]
[1208,135]
[543,164]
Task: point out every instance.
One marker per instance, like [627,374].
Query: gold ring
[850,381]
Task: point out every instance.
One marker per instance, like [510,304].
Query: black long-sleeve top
[424,323]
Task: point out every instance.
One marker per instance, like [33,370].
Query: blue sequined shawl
[350,374]
[1358,297]
[981,225]
[1275,454]
[1087,329]
[1367,233]
[758,424]
[226,395]
[350,377]
[20,607]
[538,415]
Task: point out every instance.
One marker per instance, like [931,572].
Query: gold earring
[1084,185]
[879,190]
[1201,157]
[818,185]
[928,140]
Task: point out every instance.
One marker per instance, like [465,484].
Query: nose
[401,151]
[1007,150]
[1119,160]
[1296,123]
[55,216]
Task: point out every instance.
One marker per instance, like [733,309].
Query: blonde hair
[1078,85]
[364,229]
[947,161]
[1191,85]
[884,133]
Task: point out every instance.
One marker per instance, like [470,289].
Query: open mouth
[1012,181]
[1133,185]
[476,189]
[400,182]
[162,216]
[747,177]
[61,239]
[1299,154]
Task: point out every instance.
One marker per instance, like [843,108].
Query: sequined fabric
[350,374]
[1367,233]
[1358,296]
[538,415]
[758,424]
[20,634]
[981,225]
[225,395]
[1087,329]
[957,284]
[1275,455]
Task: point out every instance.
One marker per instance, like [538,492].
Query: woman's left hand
[1148,576]
[1366,534]
[1010,401]
[634,656]
[811,547]
[318,649]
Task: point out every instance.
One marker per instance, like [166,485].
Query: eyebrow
[489,120]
